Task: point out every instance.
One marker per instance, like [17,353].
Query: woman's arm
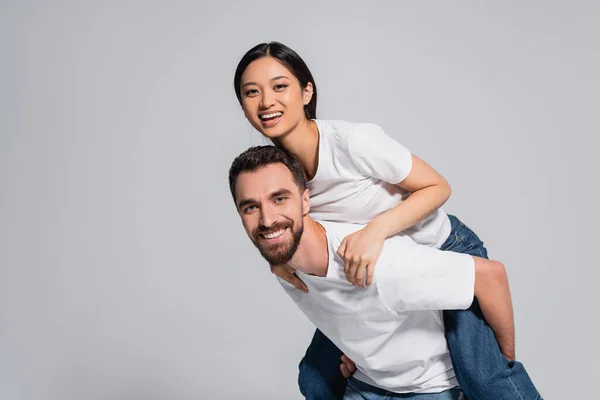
[493,294]
[429,191]
[360,251]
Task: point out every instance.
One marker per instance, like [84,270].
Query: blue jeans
[481,369]
[358,390]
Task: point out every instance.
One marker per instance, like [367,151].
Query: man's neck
[312,255]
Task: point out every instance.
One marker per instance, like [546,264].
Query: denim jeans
[358,390]
[481,369]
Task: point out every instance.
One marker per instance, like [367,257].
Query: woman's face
[272,98]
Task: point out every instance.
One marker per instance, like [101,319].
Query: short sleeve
[376,154]
[419,278]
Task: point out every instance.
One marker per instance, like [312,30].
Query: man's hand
[360,252]
[287,274]
[347,366]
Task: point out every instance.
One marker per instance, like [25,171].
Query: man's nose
[267,216]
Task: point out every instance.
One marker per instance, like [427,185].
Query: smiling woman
[356,173]
[294,70]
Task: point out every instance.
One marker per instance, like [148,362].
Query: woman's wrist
[380,228]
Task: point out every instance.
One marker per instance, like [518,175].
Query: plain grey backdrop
[124,270]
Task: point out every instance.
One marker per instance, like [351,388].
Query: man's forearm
[493,293]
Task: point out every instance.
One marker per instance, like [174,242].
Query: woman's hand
[288,275]
[360,251]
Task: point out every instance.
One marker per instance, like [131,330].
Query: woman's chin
[272,134]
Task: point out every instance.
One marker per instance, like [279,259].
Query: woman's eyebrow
[270,80]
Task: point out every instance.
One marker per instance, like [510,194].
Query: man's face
[272,209]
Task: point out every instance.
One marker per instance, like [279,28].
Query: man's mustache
[261,230]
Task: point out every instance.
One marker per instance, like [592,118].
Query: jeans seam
[454,243]
[514,386]
[469,246]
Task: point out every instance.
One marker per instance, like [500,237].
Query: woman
[358,174]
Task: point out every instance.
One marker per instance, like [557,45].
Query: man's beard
[279,253]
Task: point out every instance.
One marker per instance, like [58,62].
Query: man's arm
[424,278]
[493,294]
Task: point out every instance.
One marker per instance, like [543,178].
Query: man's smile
[273,236]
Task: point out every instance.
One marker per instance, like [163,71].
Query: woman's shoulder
[347,133]
[345,127]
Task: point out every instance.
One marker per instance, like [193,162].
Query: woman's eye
[250,92]
[280,87]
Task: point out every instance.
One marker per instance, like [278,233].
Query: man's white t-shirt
[392,330]
[359,166]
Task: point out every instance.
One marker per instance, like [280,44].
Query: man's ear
[307,93]
[305,202]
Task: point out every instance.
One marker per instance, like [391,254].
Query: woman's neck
[303,142]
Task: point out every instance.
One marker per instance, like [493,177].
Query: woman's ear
[307,93]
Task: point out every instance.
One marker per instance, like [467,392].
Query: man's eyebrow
[281,192]
[270,80]
[277,193]
[245,202]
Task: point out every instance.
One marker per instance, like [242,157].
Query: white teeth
[272,115]
[274,234]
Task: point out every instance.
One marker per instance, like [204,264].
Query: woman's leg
[480,367]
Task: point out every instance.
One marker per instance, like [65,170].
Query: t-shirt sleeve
[376,154]
[419,278]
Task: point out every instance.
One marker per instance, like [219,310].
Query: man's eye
[250,92]
[280,87]
[279,200]
[249,209]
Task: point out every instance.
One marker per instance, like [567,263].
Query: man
[392,329]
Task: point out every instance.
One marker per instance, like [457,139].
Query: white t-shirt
[359,166]
[391,329]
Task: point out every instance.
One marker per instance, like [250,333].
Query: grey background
[124,270]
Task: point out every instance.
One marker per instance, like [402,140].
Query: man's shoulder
[333,229]
[337,231]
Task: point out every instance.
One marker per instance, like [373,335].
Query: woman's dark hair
[287,57]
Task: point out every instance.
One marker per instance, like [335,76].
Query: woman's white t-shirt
[355,180]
